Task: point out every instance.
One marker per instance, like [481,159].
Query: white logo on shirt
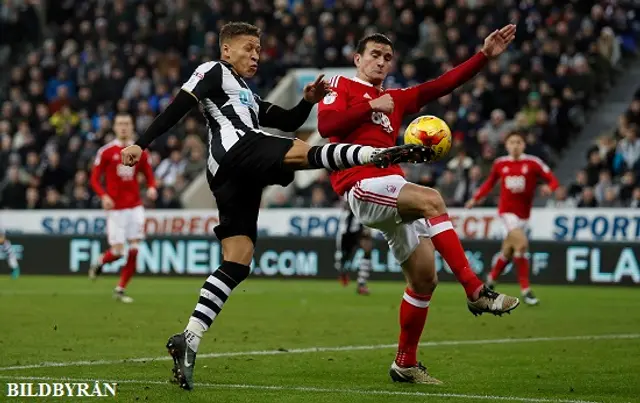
[367,96]
[330,98]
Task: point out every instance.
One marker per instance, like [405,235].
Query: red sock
[446,242]
[109,257]
[498,267]
[522,265]
[129,268]
[413,316]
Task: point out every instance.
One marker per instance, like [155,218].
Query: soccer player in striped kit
[352,234]
[9,255]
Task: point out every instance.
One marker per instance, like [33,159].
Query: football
[431,132]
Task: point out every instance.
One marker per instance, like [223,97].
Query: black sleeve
[288,120]
[181,105]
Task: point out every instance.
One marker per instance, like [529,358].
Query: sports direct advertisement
[482,223]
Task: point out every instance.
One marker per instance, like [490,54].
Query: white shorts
[374,203]
[125,225]
[511,222]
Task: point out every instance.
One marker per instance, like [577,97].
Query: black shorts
[254,162]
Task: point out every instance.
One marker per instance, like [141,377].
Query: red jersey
[519,179]
[345,116]
[121,181]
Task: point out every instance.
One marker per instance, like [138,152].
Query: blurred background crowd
[93,58]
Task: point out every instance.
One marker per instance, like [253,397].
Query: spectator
[594,167]
[80,198]
[33,199]
[53,175]
[610,198]
[52,200]
[167,199]
[587,198]
[605,182]
[628,151]
[451,190]
[170,168]
[497,127]
[561,199]
[635,198]
[627,183]
[13,191]
[194,165]
[582,181]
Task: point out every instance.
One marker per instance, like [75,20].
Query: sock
[109,257]
[522,266]
[129,268]
[336,156]
[9,255]
[413,316]
[364,270]
[498,267]
[446,241]
[213,295]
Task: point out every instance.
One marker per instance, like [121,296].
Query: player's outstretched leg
[337,156]
[419,269]
[126,273]
[183,347]
[501,262]
[111,255]
[417,201]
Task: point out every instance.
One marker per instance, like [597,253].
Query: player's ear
[356,59]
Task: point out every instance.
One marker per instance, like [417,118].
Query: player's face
[515,146]
[123,127]
[243,52]
[375,62]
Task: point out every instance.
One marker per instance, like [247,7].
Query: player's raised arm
[334,118]
[414,98]
[290,120]
[486,187]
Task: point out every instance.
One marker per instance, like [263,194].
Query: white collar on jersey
[122,143]
[356,79]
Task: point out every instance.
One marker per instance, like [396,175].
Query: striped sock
[364,270]
[336,156]
[9,255]
[213,295]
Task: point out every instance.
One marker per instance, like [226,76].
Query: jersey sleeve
[97,173]
[488,184]
[288,120]
[336,118]
[547,175]
[205,80]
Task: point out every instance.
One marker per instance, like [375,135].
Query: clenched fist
[382,104]
[131,155]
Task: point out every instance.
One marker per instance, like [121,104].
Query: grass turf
[69,319]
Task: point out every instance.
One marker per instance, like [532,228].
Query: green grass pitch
[582,344]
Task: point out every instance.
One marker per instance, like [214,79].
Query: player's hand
[107,202]
[546,190]
[382,104]
[131,155]
[152,193]
[315,91]
[498,41]
[470,203]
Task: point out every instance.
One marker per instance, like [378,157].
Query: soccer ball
[431,132]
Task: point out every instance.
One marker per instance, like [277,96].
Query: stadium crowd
[109,56]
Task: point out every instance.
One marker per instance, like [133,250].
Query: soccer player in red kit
[412,218]
[121,199]
[518,174]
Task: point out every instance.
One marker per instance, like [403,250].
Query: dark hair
[375,38]
[233,29]
[515,133]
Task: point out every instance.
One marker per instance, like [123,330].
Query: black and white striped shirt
[229,106]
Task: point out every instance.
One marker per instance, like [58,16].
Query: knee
[425,284]
[520,249]
[117,250]
[432,203]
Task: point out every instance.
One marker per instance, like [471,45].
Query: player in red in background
[519,174]
[121,199]
[360,111]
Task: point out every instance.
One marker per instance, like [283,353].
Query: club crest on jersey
[330,98]
[383,120]
[391,188]
[246,97]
